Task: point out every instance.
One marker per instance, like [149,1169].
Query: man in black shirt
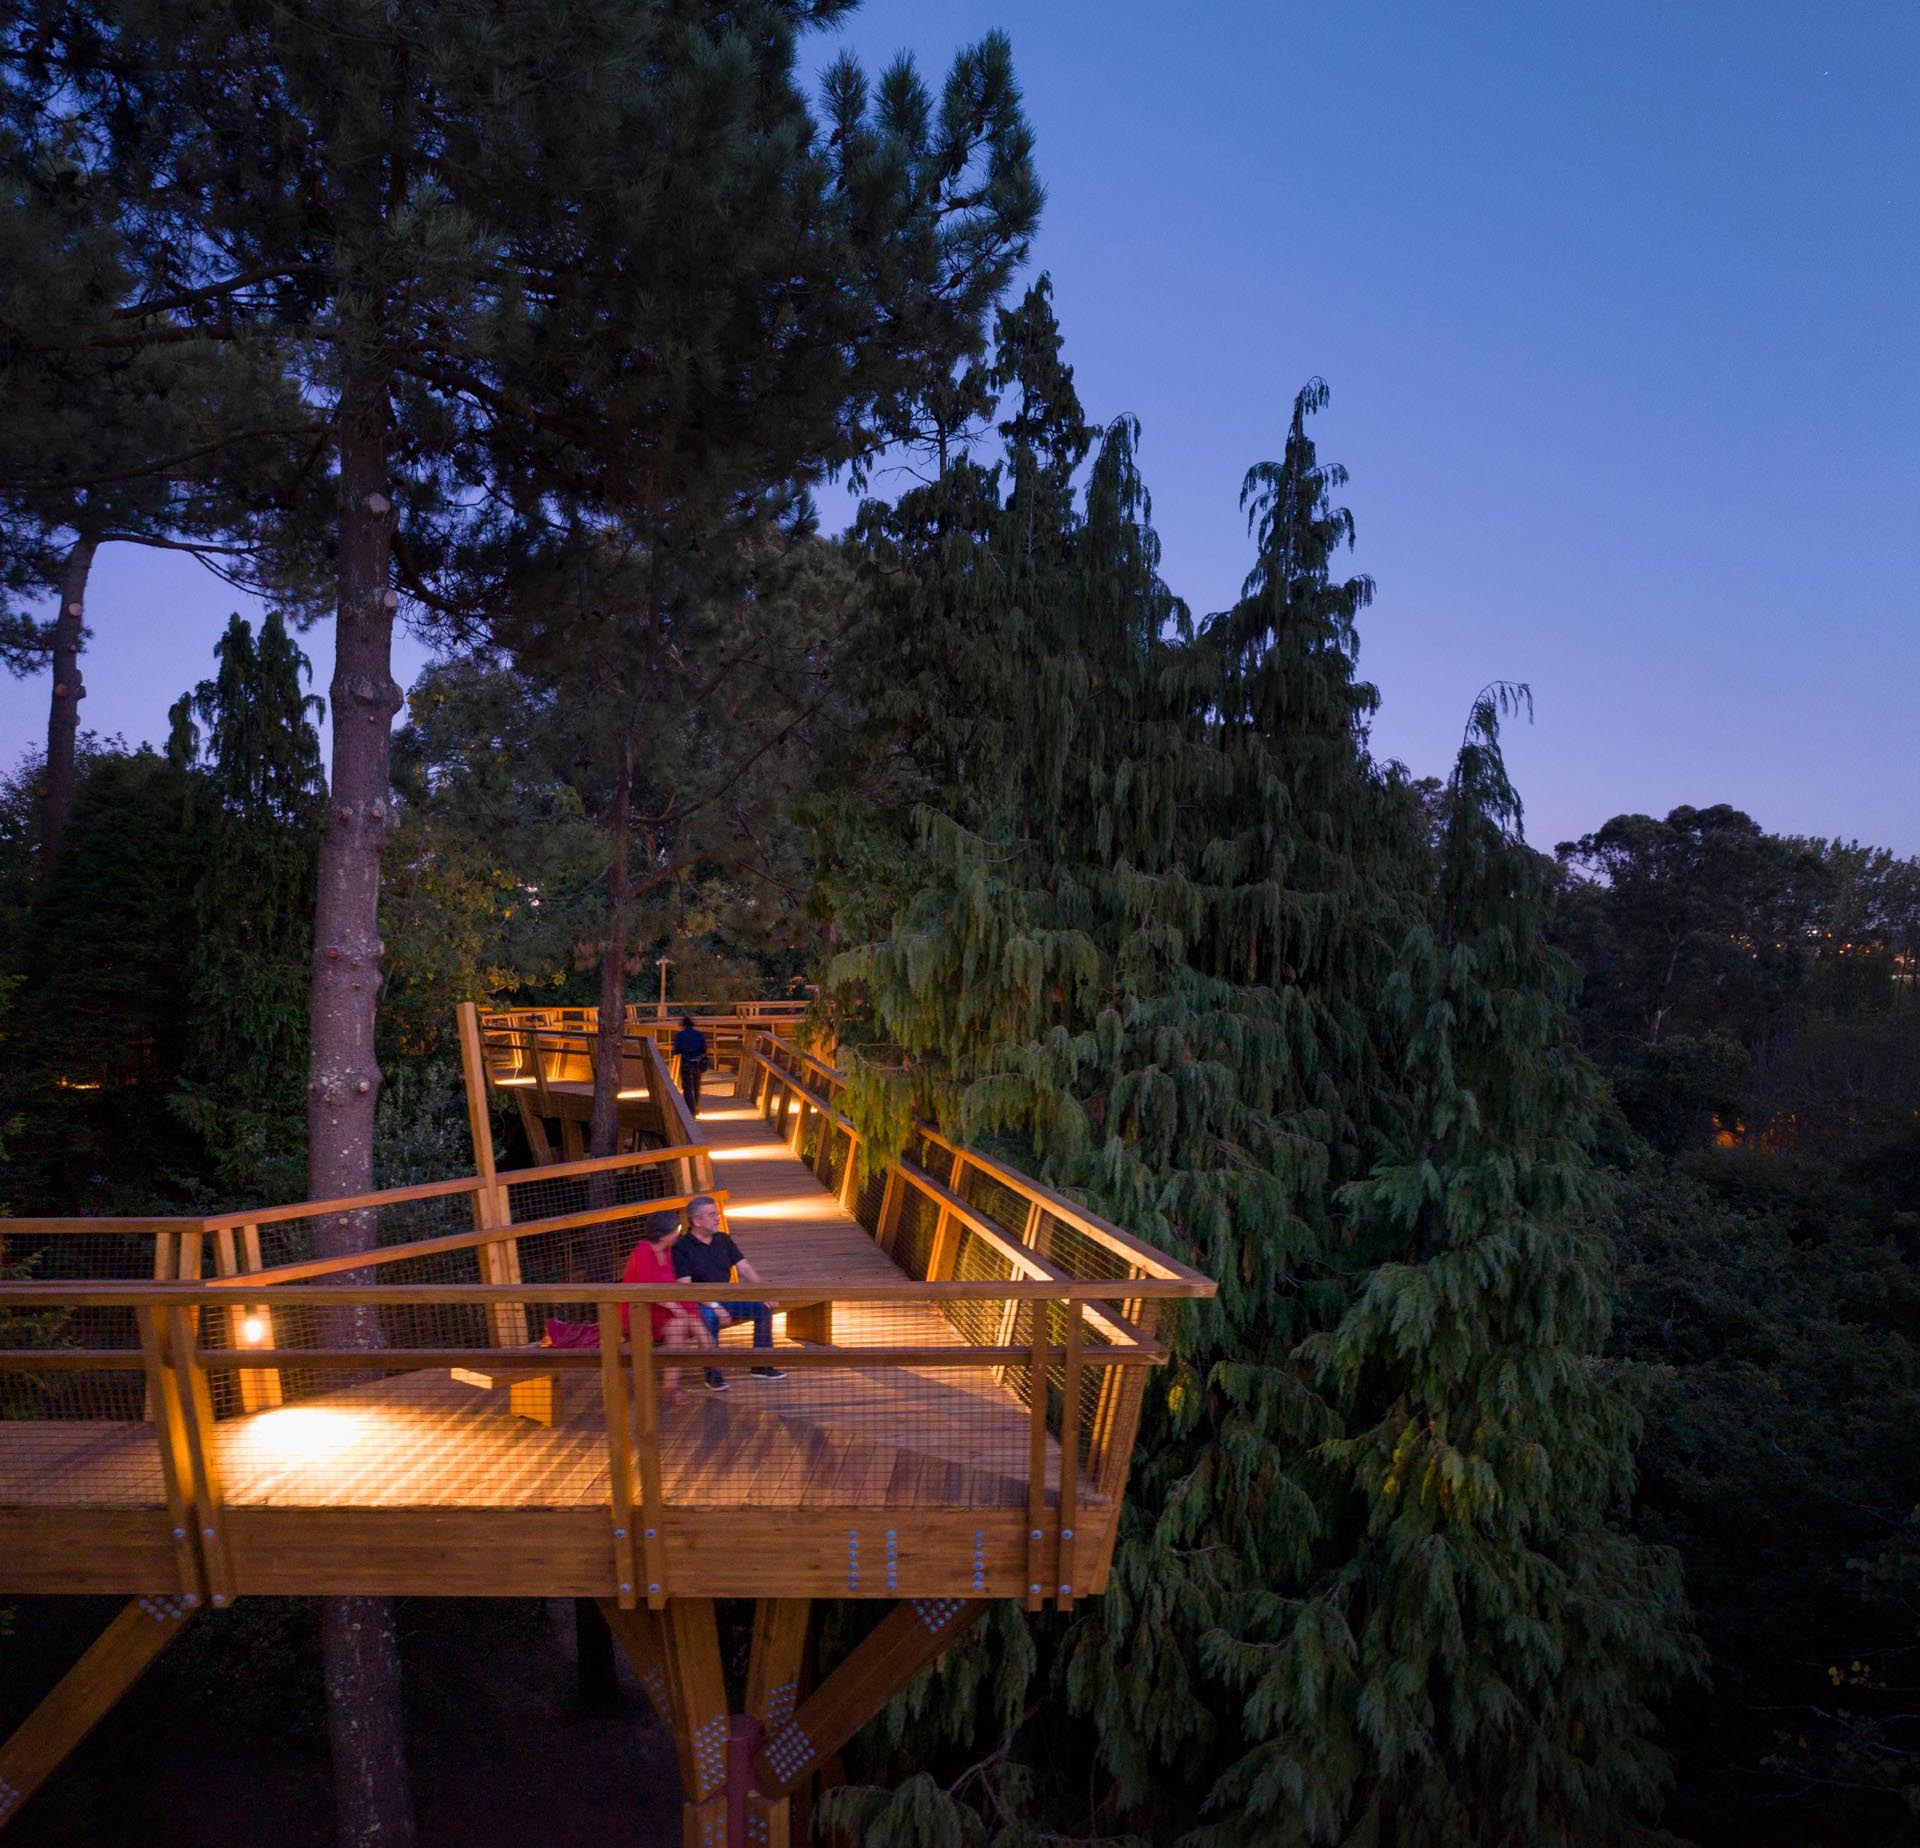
[690,1048]
[704,1254]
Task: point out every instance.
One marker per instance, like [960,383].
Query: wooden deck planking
[887,1437]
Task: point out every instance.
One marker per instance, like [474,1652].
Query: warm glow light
[637,1091]
[301,1434]
[78,1084]
[507,1081]
[253,1330]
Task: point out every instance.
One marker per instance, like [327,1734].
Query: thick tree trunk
[613,968]
[373,1802]
[63,714]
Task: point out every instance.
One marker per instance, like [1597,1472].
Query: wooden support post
[775,1659]
[473,1073]
[85,1694]
[908,1638]
[536,1129]
[620,1474]
[646,1402]
[699,1691]
[1037,1457]
[1069,1456]
[637,1632]
[197,1404]
[176,1464]
[776,1667]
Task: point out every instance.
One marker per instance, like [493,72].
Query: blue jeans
[757,1313]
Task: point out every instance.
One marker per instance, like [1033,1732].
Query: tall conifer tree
[1153,936]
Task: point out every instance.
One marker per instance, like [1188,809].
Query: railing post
[251,1325]
[613,1404]
[1069,1455]
[653,1552]
[197,1405]
[1037,1457]
[892,1196]
[176,1462]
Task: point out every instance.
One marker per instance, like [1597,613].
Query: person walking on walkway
[704,1254]
[690,1048]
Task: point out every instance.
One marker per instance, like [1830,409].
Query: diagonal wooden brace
[85,1694]
[909,1637]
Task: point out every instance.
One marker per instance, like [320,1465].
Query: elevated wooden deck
[964,1352]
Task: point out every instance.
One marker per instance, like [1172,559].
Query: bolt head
[1034,1590]
[626,1587]
[179,1533]
[1036,1533]
[619,1533]
[206,1533]
[654,1590]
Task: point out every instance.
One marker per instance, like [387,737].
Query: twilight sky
[1620,308]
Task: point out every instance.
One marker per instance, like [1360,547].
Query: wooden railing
[162,1372]
[535,1047]
[945,1213]
[1005,1367]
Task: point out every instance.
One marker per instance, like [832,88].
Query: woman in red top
[675,1325]
[678,1325]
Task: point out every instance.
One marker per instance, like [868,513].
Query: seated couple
[703,1254]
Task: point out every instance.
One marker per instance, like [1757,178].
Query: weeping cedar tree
[1172,936]
[514,254]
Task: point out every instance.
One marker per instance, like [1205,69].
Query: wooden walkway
[823,1437]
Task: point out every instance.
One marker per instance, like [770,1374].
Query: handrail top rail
[1157,1263]
[343,1203]
[223,1292]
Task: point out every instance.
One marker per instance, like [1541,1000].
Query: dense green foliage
[158,1024]
[1168,932]
[1751,999]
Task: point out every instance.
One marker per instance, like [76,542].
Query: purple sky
[1620,308]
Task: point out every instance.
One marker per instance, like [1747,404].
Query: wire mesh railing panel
[839,1153]
[272,1243]
[538,1198]
[993,1199]
[978,1320]
[914,1228]
[75,1257]
[80,1436]
[871,1196]
[933,1157]
[835,1432]
[1071,1250]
